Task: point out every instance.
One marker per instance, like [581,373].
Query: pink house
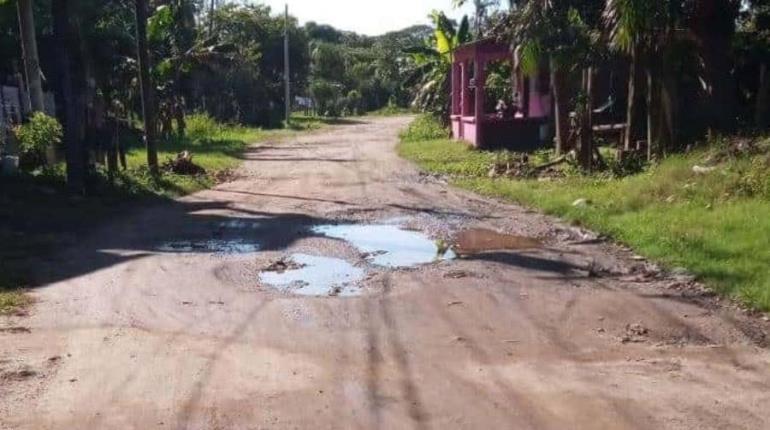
[521,127]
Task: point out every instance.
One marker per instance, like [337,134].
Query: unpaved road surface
[146,324]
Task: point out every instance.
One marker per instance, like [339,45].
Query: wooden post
[478,113]
[455,89]
[464,90]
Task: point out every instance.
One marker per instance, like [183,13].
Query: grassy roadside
[715,223]
[37,215]
[215,147]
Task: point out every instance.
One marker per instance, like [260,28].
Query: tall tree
[559,34]
[148,100]
[713,23]
[66,43]
[644,30]
[29,52]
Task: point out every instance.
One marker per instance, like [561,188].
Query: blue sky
[370,17]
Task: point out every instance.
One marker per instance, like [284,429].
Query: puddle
[386,244]
[237,224]
[315,276]
[218,246]
[477,240]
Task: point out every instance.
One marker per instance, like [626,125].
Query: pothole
[218,246]
[388,245]
[311,275]
[479,240]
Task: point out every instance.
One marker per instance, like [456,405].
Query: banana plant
[431,64]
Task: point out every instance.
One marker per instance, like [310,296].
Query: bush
[755,179]
[425,127]
[41,132]
[201,126]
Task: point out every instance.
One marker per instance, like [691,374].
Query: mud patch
[216,246]
[479,240]
[387,245]
[17,375]
[310,275]
[15,330]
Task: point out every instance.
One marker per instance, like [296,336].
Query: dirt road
[163,319]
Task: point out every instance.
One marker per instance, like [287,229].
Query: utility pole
[286,75]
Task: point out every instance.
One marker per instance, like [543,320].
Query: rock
[456,274]
[9,165]
[635,333]
[581,203]
[702,169]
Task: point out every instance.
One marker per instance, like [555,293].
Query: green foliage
[12,300]
[425,127]
[430,65]
[201,125]
[327,97]
[714,223]
[37,135]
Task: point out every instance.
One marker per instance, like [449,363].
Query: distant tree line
[114,64]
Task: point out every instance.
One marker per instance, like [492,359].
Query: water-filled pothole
[311,275]
[388,245]
[218,246]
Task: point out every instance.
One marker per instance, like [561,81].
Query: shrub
[425,127]
[754,181]
[201,126]
[36,136]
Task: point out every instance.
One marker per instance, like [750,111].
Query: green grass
[215,147]
[715,224]
[12,300]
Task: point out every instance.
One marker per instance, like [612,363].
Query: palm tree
[481,8]
[642,29]
[29,50]
[560,34]
[148,100]
[431,64]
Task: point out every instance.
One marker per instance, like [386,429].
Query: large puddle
[311,275]
[217,246]
[388,245]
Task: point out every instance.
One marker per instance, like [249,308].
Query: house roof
[482,50]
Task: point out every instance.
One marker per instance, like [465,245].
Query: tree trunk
[561,124]
[714,24]
[762,113]
[148,101]
[211,18]
[29,52]
[585,154]
[651,110]
[63,38]
[631,103]
[666,134]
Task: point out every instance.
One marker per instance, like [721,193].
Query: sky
[371,17]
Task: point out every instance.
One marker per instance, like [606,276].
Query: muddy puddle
[388,245]
[311,275]
[216,246]
[479,240]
